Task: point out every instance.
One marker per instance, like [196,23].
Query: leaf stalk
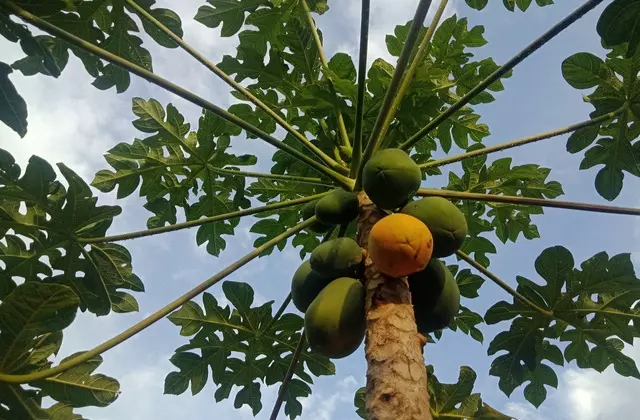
[156,316]
[528,201]
[374,138]
[199,222]
[323,59]
[356,156]
[238,87]
[505,68]
[171,87]
[521,142]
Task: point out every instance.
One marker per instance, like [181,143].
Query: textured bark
[396,374]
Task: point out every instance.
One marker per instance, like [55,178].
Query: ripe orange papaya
[400,245]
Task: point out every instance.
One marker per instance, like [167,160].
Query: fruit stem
[375,138]
[520,142]
[528,201]
[502,284]
[323,59]
[505,68]
[199,222]
[356,156]
[156,316]
[171,87]
[288,376]
[238,87]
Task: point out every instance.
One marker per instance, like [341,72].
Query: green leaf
[105,24]
[79,387]
[21,403]
[13,109]
[168,18]
[228,13]
[32,310]
[589,307]
[477,4]
[620,23]
[55,221]
[616,146]
[241,346]
[582,138]
[191,168]
[585,70]
[61,411]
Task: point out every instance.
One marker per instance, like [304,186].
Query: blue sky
[73,122]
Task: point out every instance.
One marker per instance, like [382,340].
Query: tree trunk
[396,374]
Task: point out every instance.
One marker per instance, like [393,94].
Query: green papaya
[390,178]
[446,222]
[337,208]
[435,297]
[334,323]
[305,286]
[339,257]
[309,210]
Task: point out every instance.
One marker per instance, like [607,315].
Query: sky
[70,121]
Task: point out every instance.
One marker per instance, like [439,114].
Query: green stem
[158,315]
[238,87]
[323,59]
[199,222]
[288,376]
[527,201]
[171,87]
[356,156]
[403,61]
[520,142]
[422,52]
[502,284]
[509,65]
[277,177]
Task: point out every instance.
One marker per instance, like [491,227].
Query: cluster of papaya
[408,242]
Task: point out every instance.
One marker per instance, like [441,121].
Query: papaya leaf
[620,23]
[55,220]
[13,109]
[106,24]
[507,221]
[61,411]
[192,166]
[449,401]
[19,403]
[28,315]
[590,307]
[241,346]
[228,13]
[79,387]
[616,150]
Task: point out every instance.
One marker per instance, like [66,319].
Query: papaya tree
[385,256]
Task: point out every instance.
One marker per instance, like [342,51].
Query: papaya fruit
[309,210]
[305,286]
[445,221]
[435,296]
[334,323]
[390,178]
[399,245]
[339,257]
[337,208]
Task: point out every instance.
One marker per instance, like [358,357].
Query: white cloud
[320,406]
[591,395]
